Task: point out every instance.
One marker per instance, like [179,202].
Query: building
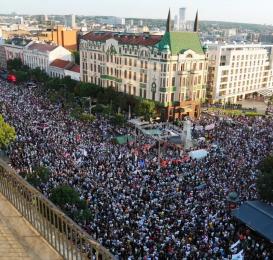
[182,19]
[113,20]
[3,58]
[14,49]
[171,69]
[62,68]
[41,55]
[70,20]
[238,71]
[61,36]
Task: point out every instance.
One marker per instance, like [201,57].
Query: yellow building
[62,36]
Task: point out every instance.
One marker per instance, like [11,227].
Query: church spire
[196,23]
[168,25]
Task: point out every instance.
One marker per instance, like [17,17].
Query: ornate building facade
[170,69]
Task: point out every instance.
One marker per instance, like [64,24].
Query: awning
[258,216]
[198,154]
[124,139]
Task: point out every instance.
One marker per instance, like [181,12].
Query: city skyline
[229,10]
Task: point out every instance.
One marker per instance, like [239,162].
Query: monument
[186,135]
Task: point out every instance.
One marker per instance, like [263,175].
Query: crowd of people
[141,211]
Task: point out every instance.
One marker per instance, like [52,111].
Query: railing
[64,235]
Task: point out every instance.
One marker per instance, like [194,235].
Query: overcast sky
[252,11]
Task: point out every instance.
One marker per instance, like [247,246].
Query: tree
[15,64]
[265,179]
[146,108]
[21,76]
[38,176]
[39,75]
[7,133]
[68,199]
[118,119]
[65,195]
[76,55]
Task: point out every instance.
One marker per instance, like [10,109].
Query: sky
[249,11]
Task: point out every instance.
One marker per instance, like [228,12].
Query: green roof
[180,42]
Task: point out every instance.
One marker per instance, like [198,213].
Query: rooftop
[258,216]
[124,38]
[62,64]
[75,68]
[42,47]
[180,42]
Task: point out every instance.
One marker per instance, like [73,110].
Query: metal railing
[64,235]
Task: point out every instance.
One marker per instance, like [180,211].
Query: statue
[186,135]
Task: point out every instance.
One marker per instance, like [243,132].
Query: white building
[62,68]
[41,55]
[238,71]
[70,20]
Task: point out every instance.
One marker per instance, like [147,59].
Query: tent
[198,154]
[258,216]
[123,139]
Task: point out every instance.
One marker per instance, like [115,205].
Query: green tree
[15,64]
[146,108]
[76,55]
[7,133]
[69,83]
[65,195]
[39,75]
[68,199]
[21,76]
[38,176]
[265,179]
[118,119]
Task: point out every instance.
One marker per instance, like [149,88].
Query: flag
[239,256]
[233,247]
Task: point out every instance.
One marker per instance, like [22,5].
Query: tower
[196,23]
[182,19]
[169,22]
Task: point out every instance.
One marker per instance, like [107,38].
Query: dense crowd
[179,211]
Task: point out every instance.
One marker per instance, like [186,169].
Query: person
[143,212]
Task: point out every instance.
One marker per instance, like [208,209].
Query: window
[174,67]
[173,81]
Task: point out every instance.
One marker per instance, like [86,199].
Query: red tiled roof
[60,63]
[75,68]
[124,38]
[42,47]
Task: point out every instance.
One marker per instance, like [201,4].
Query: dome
[205,48]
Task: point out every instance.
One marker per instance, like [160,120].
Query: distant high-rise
[176,23]
[45,18]
[182,19]
[140,23]
[70,20]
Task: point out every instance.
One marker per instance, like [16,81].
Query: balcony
[111,78]
[49,224]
